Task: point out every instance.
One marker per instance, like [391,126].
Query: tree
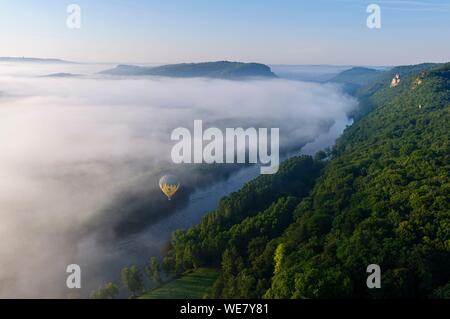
[278,258]
[132,280]
[320,156]
[153,271]
[442,292]
[108,291]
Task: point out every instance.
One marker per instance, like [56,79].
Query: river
[138,248]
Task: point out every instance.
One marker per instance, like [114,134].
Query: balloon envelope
[169,185]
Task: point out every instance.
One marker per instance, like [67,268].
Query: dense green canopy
[381,196]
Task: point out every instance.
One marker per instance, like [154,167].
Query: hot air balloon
[169,185]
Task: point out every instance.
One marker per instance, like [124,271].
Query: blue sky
[267,31]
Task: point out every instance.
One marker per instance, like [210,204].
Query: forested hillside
[381,197]
[217,70]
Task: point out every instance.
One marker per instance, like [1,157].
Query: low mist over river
[81,152]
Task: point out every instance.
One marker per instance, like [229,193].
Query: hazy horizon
[323,32]
[204,61]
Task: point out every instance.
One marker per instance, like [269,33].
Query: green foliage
[382,198]
[153,271]
[108,291]
[132,280]
[442,292]
[237,236]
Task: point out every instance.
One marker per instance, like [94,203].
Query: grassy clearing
[192,285]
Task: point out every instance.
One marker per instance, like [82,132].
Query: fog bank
[72,146]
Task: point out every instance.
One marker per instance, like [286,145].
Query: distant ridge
[355,78]
[33,60]
[220,70]
[61,75]
[355,75]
